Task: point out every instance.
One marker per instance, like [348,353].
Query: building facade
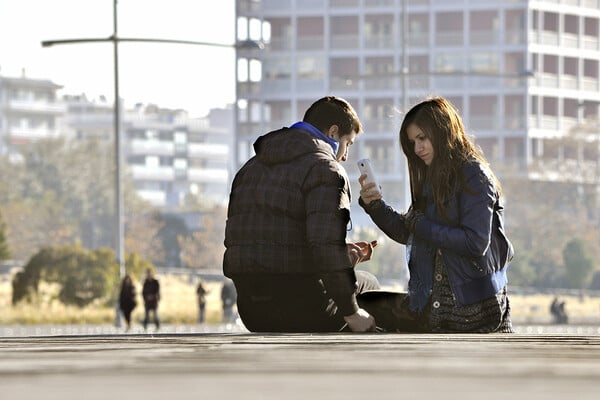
[29,110]
[522,73]
[168,155]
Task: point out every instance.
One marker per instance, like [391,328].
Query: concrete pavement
[299,366]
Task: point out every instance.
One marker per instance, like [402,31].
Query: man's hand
[360,251]
[360,321]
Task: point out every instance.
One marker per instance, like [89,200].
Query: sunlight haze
[191,77]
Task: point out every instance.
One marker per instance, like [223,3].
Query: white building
[167,154]
[521,72]
[29,110]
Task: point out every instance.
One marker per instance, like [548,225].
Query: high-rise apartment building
[522,73]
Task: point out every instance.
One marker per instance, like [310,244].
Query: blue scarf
[305,126]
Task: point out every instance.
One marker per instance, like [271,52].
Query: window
[449,62]
[550,22]
[550,64]
[484,62]
[310,67]
[550,106]
[277,68]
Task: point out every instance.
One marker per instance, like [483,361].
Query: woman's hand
[411,218]
[368,191]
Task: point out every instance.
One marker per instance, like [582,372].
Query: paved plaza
[239,365]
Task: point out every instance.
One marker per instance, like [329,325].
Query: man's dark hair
[331,110]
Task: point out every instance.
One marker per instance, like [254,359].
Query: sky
[190,77]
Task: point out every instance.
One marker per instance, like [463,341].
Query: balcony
[276,5]
[379,42]
[280,43]
[449,38]
[307,85]
[385,83]
[379,3]
[343,84]
[591,43]
[483,122]
[151,147]
[154,197]
[344,3]
[208,175]
[484,37]
[274,86]
[206,150]
[340,42]
[310,42]
[38,107]
[594,4]
[514,122]
[515,37]
[23,134]
[143,172]
[381,125]
[591,85]
[418,39]
[568,82]
[249,88]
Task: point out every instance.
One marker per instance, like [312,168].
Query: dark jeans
[147,311]
[292,303]
[391,312]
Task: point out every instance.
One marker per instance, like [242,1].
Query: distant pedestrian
[201,292]
[151,295]
[127,301]
[228,298]
[558,311]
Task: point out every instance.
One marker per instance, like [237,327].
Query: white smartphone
[364,166]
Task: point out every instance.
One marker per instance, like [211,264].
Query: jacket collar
[305,126]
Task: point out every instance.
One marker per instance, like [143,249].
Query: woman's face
[421,144]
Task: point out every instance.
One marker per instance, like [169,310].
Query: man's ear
[333,132]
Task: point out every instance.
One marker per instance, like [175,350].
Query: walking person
[457,249]
[127,300]
[151,295]
[285,236]
[201,292]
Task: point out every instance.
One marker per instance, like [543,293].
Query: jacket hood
[287,144]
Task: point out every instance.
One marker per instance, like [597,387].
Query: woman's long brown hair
[440,122]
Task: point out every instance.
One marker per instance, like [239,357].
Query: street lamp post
[115,39]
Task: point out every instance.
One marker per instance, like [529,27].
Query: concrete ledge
[300,366]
